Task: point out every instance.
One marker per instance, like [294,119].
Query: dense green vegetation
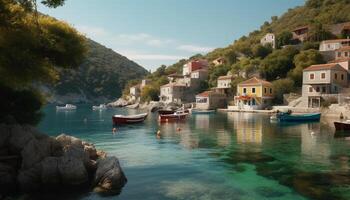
[246,54]
[102,74]
[32,49]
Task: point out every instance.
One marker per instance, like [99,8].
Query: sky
[156,32]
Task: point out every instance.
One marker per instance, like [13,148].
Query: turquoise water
[219,156]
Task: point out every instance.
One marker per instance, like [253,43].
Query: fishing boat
[289,117]
[100,107]
[197,111]
[342,126]
[66,107]
[173,117]
[165,112]
[129,119]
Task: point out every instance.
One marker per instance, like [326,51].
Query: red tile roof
[301,27]
[204,94]
[328,66]
[225,77]
[255,81]
[173,85]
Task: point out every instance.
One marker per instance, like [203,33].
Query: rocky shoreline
[32,162]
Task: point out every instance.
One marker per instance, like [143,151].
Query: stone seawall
[31,162]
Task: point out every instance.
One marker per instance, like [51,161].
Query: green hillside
[101,76]
[285,64]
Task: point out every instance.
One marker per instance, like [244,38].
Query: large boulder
[72,171]
[35,151]
[4,135]
[29,180]
[66,140]
[49,172]
[109,177]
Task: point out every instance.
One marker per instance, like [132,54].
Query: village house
[269,39]
[135,92]
[321,82]
[340,29]
[172,92]
[253,94]
[300,33]
[328,48]
[219,61]
[224,85]
[194,65]
[145,82]
[209,100]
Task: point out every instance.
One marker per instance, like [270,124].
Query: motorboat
[165,112]
[173,117]
[198,111]
[129,119]
[66,107]
[289,117]
[100,107]
[342,126]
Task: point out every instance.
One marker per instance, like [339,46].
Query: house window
[335,76]
[339,54]
[270,90]
[317,89]
[323,89]
[342,76]
[312,76]
[323,75]
[346,54]
[335,89]
[265,90]
[310,89]
[253,90]
[245,90]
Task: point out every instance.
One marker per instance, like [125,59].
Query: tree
[150,93]
[32,48]
[319,33]
[215,72]
[278,63]
[284,38]
[261,51]
[301,61]
[281,87]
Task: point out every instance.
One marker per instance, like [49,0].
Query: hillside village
[323,84]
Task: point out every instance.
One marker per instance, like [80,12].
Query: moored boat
[197,111]
[66,107]
[165,112]
[289,117]
[100,107]
[129,119]
[342,126]
[173,117]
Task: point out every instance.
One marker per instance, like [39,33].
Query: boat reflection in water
[249,129]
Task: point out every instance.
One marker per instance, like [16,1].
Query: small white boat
[100,107]
[66,107]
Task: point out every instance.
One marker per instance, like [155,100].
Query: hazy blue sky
[155,32]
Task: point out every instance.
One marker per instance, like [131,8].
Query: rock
[29,180]
[91,151]
[66,140]
[49,174]
[19,138]
[119,103]
[133,106]
[72,171]
[101,154]
[109,177]
[35,151]
[8,179]
[35,132]
[4,135]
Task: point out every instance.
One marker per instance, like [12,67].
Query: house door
[314,102]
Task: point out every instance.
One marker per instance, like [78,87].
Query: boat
[342,126]
[197,111]
[66,107]
[165,112]
[129,119]
[289,117]
[173,117]
[100,107]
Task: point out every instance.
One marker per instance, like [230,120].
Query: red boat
[165,112]
[172,117]
[129,119]
[342,126]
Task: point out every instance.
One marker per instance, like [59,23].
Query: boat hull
[165,112]
[118,120]
[172,117]
[299,118]
[341,126]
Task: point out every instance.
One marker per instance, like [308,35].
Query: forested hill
[101,77]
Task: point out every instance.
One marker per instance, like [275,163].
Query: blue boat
[288,117]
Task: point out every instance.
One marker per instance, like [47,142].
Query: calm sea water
[218,156]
